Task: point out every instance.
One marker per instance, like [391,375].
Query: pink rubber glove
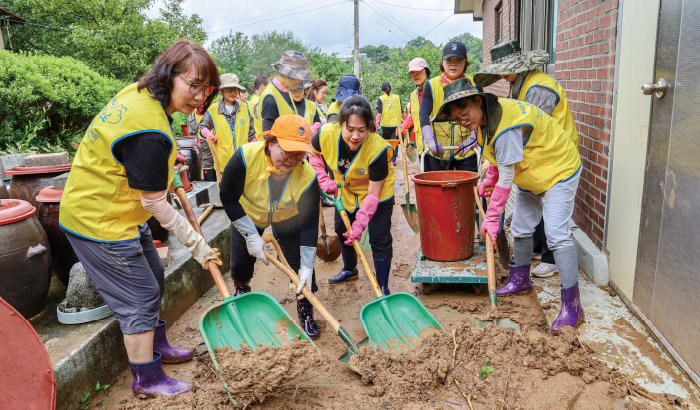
[324,181]
[206,133]
[367,210]
[378,120]
[315,127]
[488,182]
[499,197]
[180,158]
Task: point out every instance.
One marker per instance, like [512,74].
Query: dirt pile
[500,368]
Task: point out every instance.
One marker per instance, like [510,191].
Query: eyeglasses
[296,155]
[198,88]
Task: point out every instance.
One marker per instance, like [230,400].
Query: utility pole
[356,51]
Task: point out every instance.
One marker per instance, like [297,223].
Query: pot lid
[22,170]
[15,210]
[49,194]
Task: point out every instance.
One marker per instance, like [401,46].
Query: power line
[409,7]
[390,19]
[385,27]
[437,25]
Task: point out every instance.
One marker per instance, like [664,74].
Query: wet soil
[523,369]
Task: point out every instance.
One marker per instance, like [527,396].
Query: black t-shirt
[145,158]
[378,170]
[270,112]
[301,110]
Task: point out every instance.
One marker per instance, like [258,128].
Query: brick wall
[585,68]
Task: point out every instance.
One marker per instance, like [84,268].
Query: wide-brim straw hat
[457,90]
[229,80]
[293,64]
[508,58]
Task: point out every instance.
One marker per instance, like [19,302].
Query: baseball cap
[454,49]
[417,64]
[292,133]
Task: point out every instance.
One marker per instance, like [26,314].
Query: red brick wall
[585,67]
[508,25]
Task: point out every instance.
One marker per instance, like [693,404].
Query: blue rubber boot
[349,271]
[382,267]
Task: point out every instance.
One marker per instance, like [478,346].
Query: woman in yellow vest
[275,99]
[268,182]
[317,94]
[228,120]
[438,134]
[347,85]
[120,176]
[528,83]
[530,149]
[259,84]
[419,72]
[306,108]
[359,159]
[388,112]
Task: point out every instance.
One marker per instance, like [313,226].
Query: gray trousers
[128,275]
[555,206]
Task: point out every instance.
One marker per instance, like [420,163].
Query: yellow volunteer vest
[415,113]
[561,112]
[282,105]
[253,108]
[334,109]
[391,110]
[230,138]
[356,179]
[310,111]
[256,200]
[97,202]
[446,133]
[548,156]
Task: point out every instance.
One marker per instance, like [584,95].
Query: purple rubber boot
[150,380]
[571,313]
[518,281]
[168,353]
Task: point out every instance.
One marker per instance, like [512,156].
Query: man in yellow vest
[269,182]
[530,149]
[528,83]
[420,72]
[229,120]
[275,99]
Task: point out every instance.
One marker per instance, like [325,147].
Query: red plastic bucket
[445,202]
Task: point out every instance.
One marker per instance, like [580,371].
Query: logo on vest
[112,113]
[241,122]
[360,171]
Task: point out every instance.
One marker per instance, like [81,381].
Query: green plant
[485,369]
[101,387]
[84,402]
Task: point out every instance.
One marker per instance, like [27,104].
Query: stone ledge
[591,261]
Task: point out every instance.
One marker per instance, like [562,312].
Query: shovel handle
[490,261]
[308,294]
[205,214]
[358,250]
[213,268]
[321,220]
[405,163]
[215,157]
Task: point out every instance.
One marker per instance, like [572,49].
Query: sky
[328,24]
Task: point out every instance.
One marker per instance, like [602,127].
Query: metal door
[667,279]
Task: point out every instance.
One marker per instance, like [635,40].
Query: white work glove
[253,241]
[306,271]
[194,242]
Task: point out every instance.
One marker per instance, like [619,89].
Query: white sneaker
[544,270]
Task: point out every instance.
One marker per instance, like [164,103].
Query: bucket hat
[347,85]
[229,80]
[292,133]
[509,58]
[293,64]
[454,49]
[458,90]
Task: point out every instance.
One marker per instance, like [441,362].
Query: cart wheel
[426,288]
[478,288]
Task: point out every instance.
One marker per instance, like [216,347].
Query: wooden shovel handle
[205,214]
[215,157]
[490,261]
[308,294]
[321,220]
[213,268]
[361,255]
[405,163]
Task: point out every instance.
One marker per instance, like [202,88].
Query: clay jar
[28,181]
[25,271]
[62,255]
[189,148]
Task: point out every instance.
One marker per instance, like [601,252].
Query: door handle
[659,89]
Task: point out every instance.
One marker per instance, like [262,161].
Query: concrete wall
[629,140]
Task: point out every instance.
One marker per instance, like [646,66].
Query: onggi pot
[25,271]
[28,181]
[62,255]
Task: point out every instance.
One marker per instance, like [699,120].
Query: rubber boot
[306,318]
[382,267]
[241,287]
[518,281]
[349,271]
[571,313]
[150,380]
[169,354]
